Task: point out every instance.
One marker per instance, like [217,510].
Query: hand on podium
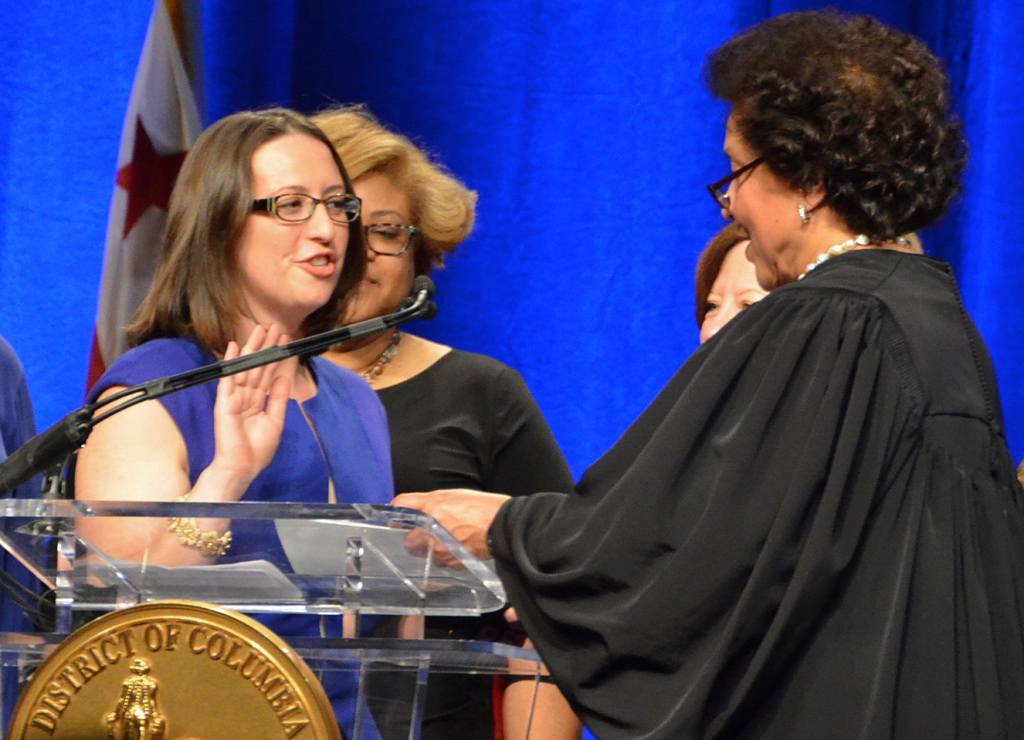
[466,514]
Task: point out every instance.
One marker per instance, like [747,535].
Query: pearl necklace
[858,241]
[385,357]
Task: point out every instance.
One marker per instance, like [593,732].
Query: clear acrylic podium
[351,560]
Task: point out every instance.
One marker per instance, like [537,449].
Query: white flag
[161,125]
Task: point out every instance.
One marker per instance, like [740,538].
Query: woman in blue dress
[263,245]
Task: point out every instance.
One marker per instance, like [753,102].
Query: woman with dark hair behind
[726,282]
[816,529]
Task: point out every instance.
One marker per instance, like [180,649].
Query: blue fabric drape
[584,126]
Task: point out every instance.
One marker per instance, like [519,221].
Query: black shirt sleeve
[469,421]
[526,456]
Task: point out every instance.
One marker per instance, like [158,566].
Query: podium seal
[174,670]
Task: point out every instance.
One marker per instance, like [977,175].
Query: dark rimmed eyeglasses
[342,208]
[718,189]
[392,239]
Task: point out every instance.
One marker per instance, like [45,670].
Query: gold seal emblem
[171,670]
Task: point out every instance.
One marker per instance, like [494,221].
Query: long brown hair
[197,288]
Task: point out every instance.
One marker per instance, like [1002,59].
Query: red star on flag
[162,97]
[148,178]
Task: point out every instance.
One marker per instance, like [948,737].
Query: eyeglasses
[341,208]
[717,189]
[391,239]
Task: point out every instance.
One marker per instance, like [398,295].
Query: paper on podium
[259,580]
[380,572]
[320,547]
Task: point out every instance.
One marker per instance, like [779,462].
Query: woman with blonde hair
[457,419]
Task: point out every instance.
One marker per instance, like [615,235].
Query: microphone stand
[50,449]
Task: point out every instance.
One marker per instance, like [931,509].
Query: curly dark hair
[849,103]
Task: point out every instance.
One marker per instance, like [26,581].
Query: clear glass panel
[391,675]
[322,559]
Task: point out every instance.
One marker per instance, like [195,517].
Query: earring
[802,211]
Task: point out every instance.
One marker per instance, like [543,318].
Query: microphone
[423,290]
[45,450]
[423,287]
[48,449]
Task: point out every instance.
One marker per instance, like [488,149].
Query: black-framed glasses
[718,189]
[342,208]
[391,239]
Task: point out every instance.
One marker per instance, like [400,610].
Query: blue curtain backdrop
[583,125]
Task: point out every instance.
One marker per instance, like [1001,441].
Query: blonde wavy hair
[443,208]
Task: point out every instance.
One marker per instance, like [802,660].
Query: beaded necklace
[385,357]
[858,241]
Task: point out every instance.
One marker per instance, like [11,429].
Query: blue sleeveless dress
[350,446]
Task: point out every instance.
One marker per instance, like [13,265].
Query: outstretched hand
[250,409]
[466,514]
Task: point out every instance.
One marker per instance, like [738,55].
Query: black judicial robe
[814,531]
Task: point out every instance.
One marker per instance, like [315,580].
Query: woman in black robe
[815,530]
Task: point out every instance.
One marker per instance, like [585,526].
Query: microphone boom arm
[49,449]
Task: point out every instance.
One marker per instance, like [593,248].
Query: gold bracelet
[190,535]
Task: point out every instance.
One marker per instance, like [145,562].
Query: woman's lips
[322,265]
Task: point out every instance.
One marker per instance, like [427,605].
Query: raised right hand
[250,411]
